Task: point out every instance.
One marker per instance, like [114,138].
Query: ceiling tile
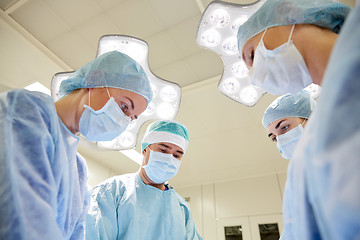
[186,115]
[40,21]
[76,12]
[184,35]
[172,12]
[5,4]
[11,74]
[108,4]
[162,50]
[135,18]
[72,49]
[92,30]
[178,72]
[213,107]
[206,64]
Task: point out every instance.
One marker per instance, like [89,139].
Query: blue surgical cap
[289,105]
[166,131]
[112,69]
[323,13]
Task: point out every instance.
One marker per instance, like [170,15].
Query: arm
[101,220]
[28,191]
[79,230]
[191,233]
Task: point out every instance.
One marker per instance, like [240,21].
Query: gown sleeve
[79,231]
[28,202]
[191,232]
[101,220]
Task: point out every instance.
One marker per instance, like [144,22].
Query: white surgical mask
[161,167]
[104,124]
[286,143]
[279,71]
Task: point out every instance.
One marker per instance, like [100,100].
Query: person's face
[273,38]
[163,147]
[282,126]
[132,104]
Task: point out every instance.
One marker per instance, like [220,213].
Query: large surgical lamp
[217,32]
[166,95]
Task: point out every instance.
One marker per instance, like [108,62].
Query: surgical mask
[279,71]
[161,167]
[286,142]
[104,124]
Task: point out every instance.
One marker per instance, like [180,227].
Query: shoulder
[115,183]
[18,101]
[181,200]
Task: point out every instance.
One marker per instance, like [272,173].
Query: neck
[70,108]
[148,181]
[315,45]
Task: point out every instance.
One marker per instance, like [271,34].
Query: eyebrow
[168,147]
[132,106]
[276,127]
[131,103]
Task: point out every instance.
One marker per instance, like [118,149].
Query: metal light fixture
[166,95]
[217,32]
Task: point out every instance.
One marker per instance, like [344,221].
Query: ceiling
[227,141]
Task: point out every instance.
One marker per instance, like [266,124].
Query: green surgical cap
[323,13]
[112,69]
[289,105]
[166,131]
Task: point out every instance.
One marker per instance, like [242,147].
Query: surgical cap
[166,131]
[323,13]
[112,69]
[289,105]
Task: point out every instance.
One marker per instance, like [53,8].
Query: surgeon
[284,121]
[322,42]
[43,181]
[287,44]
[140,205]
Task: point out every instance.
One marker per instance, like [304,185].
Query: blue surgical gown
[43,182]
[125,208]
[322,193]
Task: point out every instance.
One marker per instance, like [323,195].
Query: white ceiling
[227,141]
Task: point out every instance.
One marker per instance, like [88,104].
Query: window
[233,233]
[269,231]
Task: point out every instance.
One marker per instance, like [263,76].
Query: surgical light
[217,32]
[166,95]
[230,46]
[210,38]
[166,111]
[220,17]
[239,69]
[220,23]
[231,85]
[314,90]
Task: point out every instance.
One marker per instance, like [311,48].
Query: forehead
[135,97]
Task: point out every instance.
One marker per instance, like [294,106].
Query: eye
[162,150]
[252,55]
[124,107]
[176,156]
[285,128]
[273,139]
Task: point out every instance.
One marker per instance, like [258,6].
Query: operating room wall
[248,198]
[98,172]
